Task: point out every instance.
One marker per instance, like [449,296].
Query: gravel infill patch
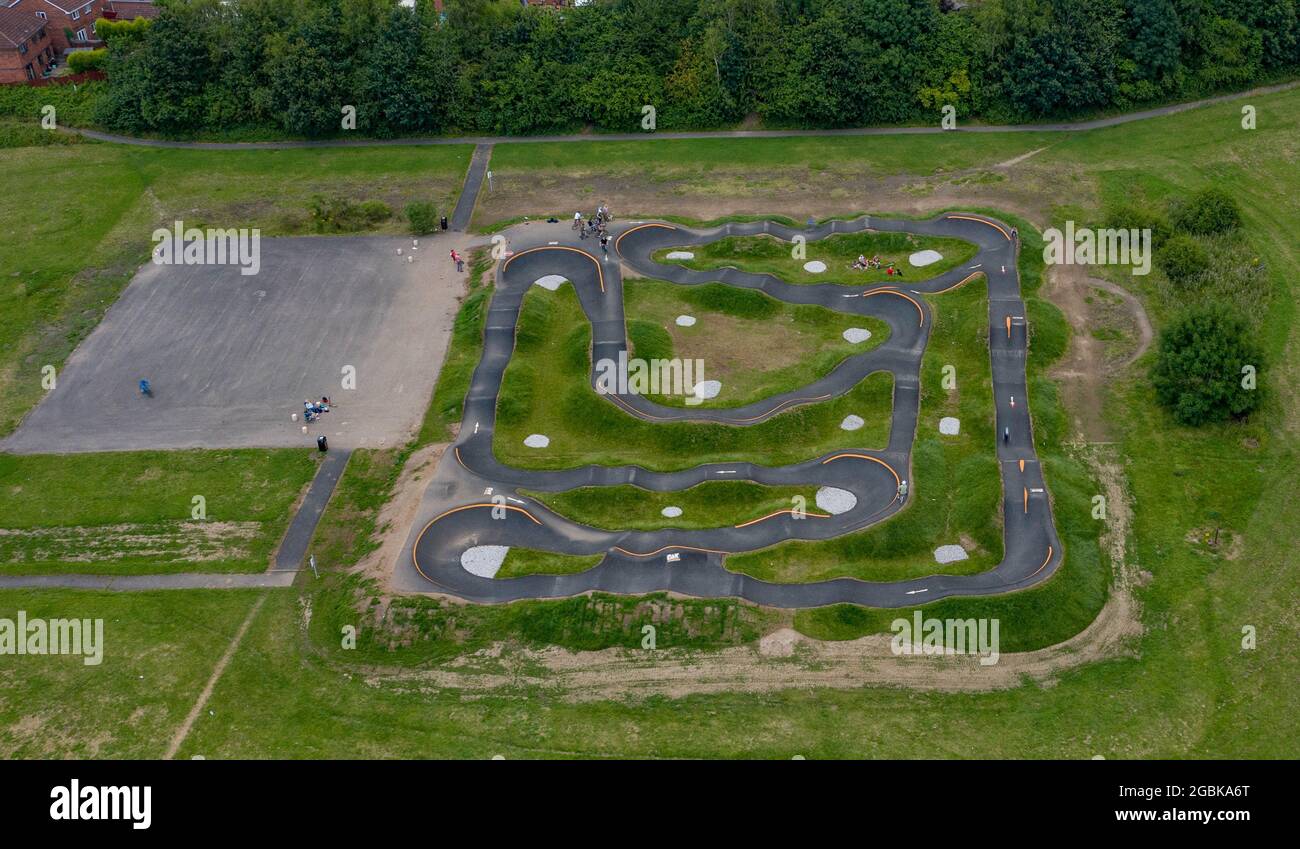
[950,554]
[852,423]
[835,500]
[685,321]
[856,335]
[949,426]
[816,266]
[537,440]
[706,389]
[923,258]
[484,560]
[681,255]
[671,512]
[551,281]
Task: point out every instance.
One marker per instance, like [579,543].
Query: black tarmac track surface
[473,499]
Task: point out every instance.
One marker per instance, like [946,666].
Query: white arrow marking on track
[914,592]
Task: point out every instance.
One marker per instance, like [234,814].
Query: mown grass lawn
[753,344]
[138,512]
[769,255]
[713,504]
[546,391]
[956,487]
[529,561]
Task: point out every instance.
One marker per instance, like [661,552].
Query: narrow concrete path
[293,548]
[1055,127]
[478,166]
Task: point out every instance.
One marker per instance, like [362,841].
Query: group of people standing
[596,226]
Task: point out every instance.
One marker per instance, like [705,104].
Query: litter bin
[322,443]
[444,222]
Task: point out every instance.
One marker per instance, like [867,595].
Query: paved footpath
[1057,127]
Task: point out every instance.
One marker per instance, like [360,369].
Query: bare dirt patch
[1110,332]
[166,543]
[398,514]
[798,192]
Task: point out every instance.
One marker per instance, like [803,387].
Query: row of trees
[492,66]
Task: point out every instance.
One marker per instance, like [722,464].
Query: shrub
[87,60]
[1208,211]
[1198,370]
[1182,258]
[339,214]
[423,218]
[1131,216]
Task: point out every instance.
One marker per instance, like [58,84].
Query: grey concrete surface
[232,357]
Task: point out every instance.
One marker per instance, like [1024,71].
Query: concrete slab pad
[231,357]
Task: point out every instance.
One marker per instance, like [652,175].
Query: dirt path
[184,730]
[1091,364]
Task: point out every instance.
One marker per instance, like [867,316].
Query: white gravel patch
[852,423]
[706,389]
[671,512]
[484,560]
[856,334]
[681,255]
[816,266]
[537,440]
[551,281]
[949,426]
[950,554]
[835,500]
[685,321]
[922,258]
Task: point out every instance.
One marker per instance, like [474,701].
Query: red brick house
[26,50]
[71,22]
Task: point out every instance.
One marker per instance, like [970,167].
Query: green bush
[1127,216]
[1182,258]
[1200,364]
[87,60]
[423,218]
[341,215]
[1208,211]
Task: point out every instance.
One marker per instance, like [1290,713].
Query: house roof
[131,9]
[68,6]
[16,26]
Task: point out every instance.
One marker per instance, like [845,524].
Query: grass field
[1187,688]
[527,561]
[713,504]
[770,255]
[546,391]
[956,487]
[755,345]
[133,513]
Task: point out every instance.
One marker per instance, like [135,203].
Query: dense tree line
[492,66]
